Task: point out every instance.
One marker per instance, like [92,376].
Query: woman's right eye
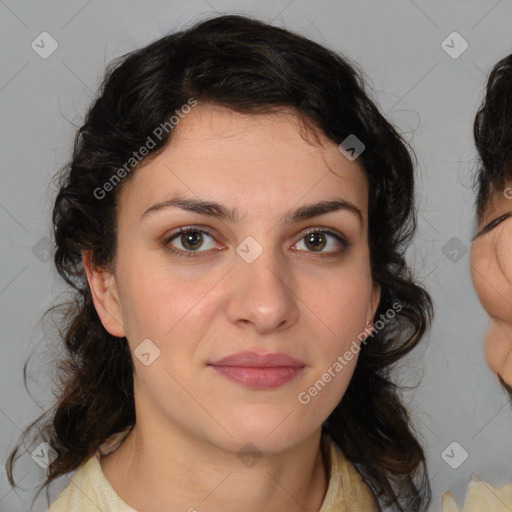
[190,239]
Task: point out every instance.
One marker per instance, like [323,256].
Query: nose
[261,294]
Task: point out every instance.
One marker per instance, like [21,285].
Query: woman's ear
[105,296]
[375,299]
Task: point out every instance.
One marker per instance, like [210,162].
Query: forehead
[248,161]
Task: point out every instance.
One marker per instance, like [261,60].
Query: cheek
[341,300]
[158,299]
[341,312]
[491,272]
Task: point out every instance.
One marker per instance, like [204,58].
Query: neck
[161,469]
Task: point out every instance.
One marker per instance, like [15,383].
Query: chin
[272,437]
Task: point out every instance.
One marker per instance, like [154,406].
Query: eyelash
[194,254]
[493,224]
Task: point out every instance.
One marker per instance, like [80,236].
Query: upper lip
[253,359]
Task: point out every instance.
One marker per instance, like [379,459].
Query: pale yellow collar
[480,497]
[346,489]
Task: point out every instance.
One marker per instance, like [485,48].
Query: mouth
[259,371]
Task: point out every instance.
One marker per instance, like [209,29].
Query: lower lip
[259,377]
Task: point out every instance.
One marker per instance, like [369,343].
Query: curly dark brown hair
[492,131]
[249,67]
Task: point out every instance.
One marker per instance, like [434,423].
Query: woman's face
[491,271]
[257,282]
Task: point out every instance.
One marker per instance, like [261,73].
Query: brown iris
[192,240]
[312,241]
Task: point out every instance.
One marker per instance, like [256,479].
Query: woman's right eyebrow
[492,225]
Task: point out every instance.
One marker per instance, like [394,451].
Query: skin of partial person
[191,422]
[491,272]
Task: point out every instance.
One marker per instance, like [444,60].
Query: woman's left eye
[318,239]
[191,239]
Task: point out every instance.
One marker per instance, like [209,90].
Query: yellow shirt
[90,491]
[481,497]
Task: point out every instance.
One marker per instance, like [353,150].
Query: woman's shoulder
[89,490]
[481,496]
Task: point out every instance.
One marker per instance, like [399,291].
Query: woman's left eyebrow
[492,225]
[309,211]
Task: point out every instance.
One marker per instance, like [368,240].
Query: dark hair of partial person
[250,67]
[492,131]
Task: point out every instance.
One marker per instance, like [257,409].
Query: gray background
[430,96]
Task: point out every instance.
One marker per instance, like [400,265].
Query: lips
[259,371]
[253,359]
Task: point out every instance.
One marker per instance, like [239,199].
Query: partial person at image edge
[491,265]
